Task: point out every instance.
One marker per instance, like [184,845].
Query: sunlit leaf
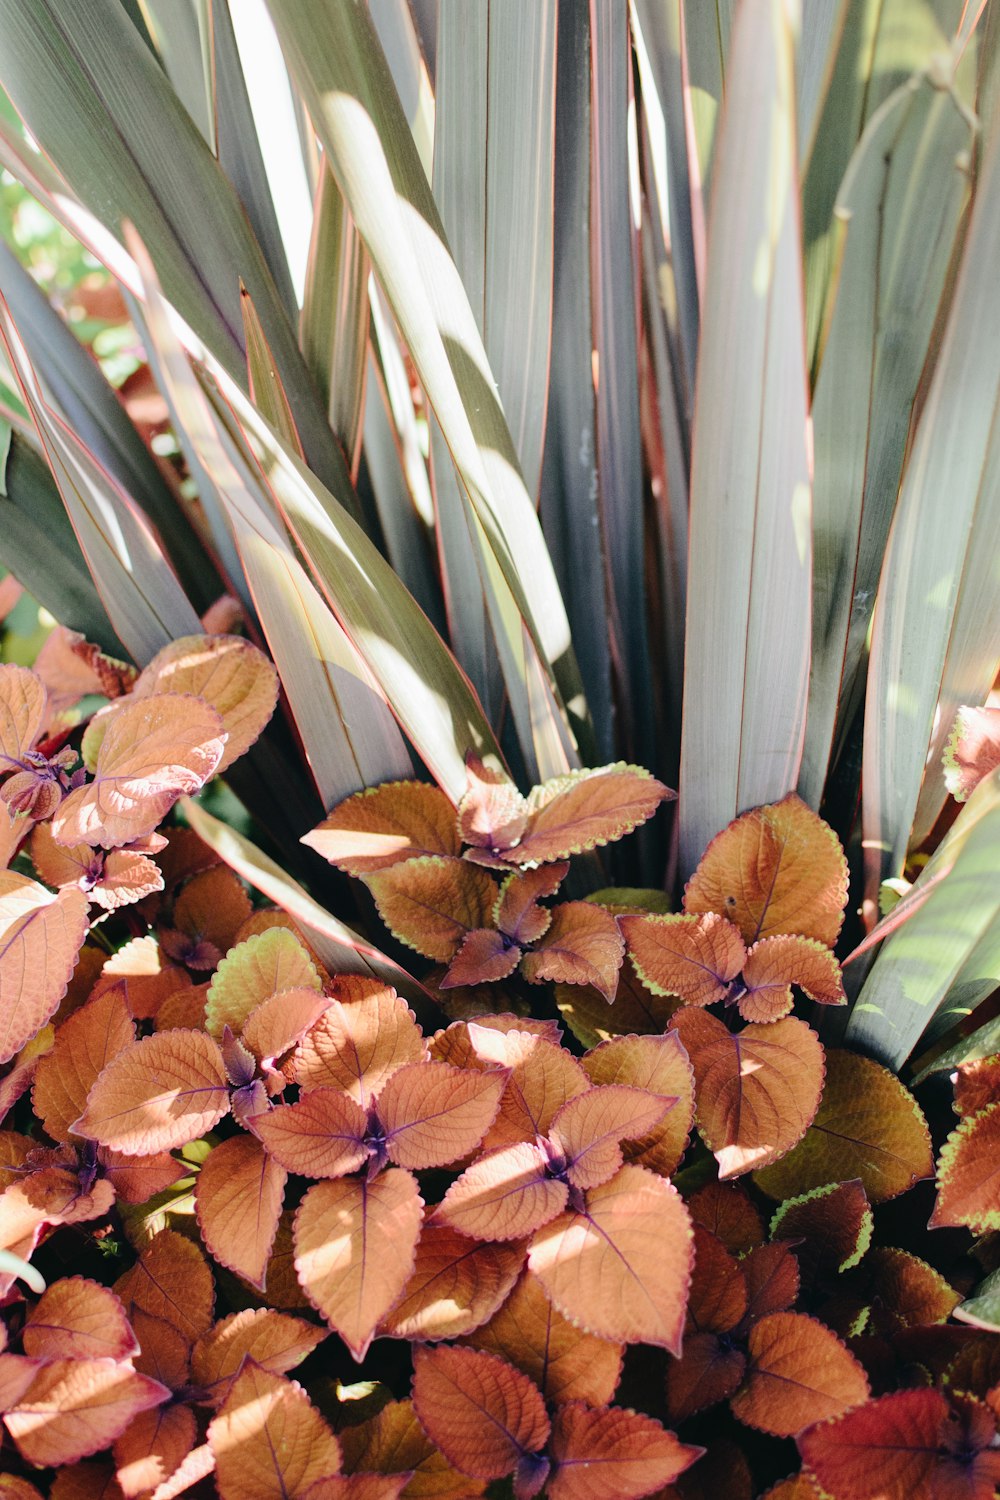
[432,901]
[433,1114]
[85,1043]
[799,1373]
[775,963]
[581,946]
[659,1065]
[152,1447]
[584,810]
[268,1439]
[159,1093]
[321,1135]
[600,1455]
[506,1194]
[75,1407]
[695,958]
[273,1340]
[366,1034]
[457,1284]
[589,1130]
[229,673]
[238,1198]
[40,938]
[384,824]
[253,971]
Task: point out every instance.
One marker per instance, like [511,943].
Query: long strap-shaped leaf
[936,631]
[146,605]
[336,59]
[748,617]
[900,210]
[99,105]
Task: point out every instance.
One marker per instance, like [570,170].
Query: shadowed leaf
[457,1284]
[431,902]
[581,946]
[172,1281]
[152,1447]
[394,1442]
[273,1340]
[601,1455]
[482,1413]
[968,1174]
[268,1439]
[253,971]
[238,1198]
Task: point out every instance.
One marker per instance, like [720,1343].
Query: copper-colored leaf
[92,1479]
[457,1284]
[968,1174]
[484,956]
[718,1298]
[281,1021]
[582,946]
[152,1447]
[977,1084]
[832,1225]
[517,912]
[564,1362]
[147,977]
[137,1178]
[382,825]
[777,869]
[543,1076]
[154,751]
[355,1244]
[360,1041]
[394,1442]
[165,1352]
[972,751]
[892,1446]
[726,1210]
[199,1463]
[321,1135]
[274,1341]
[209,912]
[710,1370]
[636,1011]
[799,1373]
[621,1269]
[14,1488]
[612,1454]
[492,813]
[229,673]
[430,903]
[433,1114]
[505,1195]
[589,1130]
[757,1089]
[907,1291]
[23,702]
[358,1487]
[584,809]
[78,1319]
[867,1126]
[75,1407]
[172,1281]
[771,1274]
[482,1413]
[157,1094]
[660,1065]
[71,668]
[40,937]
[84,1045]
[254,970]
[269,1441]
[16,1375]
[696,958]
[238,1197]
[775,963]
[111,880]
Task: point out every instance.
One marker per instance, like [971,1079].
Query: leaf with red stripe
[483,1414]
[238,1198]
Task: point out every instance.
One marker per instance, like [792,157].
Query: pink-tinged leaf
[896,1445]
[455,1045]
[382,825]
[252,972]
[505,1195]
[696,958]
[364,1037]
[492,813]
[775,963]
[358,1487]
[393,1442]
[155,750]
[659,1065]
[543,1076]
[275,1341]
[483,957]
[184,1010]
[321,1135]
[152,1448]
[78,1319]
[171,1280]
[484,1415]
[517,911]
[718,1298]
[207,915]
[457,1285]
[148,977]
[268,1440]
[710,1370]
[165,1351]
[582,946]
[968,1174]
[433,1114]
[430,903]
[777,869]
[138,1178]
[238,1199]
[280,1022]
[771,1273]
[16,1375]
[585,809]
[157,1094]
[226,671]
[612,1454]
[972,751]
[589,1130]
[23,704]
[622,1268]
[564,1362]
[977,1084]
[757,1090]
[40,938]
[355,1245]
[799,1373]
[71,668]
[111,880]
[84,1045]
[75,1407]
[198,1465]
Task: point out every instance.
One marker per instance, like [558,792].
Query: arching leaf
[867,1126]
[40,938]
[355,1245]
[457,1284]
[482,1413]
[581,946]
[621,1269]
[757,1089]
[238,1199]
[381,825]
[157,1094]
[365,1036]
[268,1439]
[229,673]
[777,869]
[154,751]
[799,1373]
[273,1340]
[78,1319]
[433,1114]
[85,1043]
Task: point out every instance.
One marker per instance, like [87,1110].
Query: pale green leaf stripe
[336,59]
[948,952]
[748,614]
[899,209]
[936,630]
[145,603]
